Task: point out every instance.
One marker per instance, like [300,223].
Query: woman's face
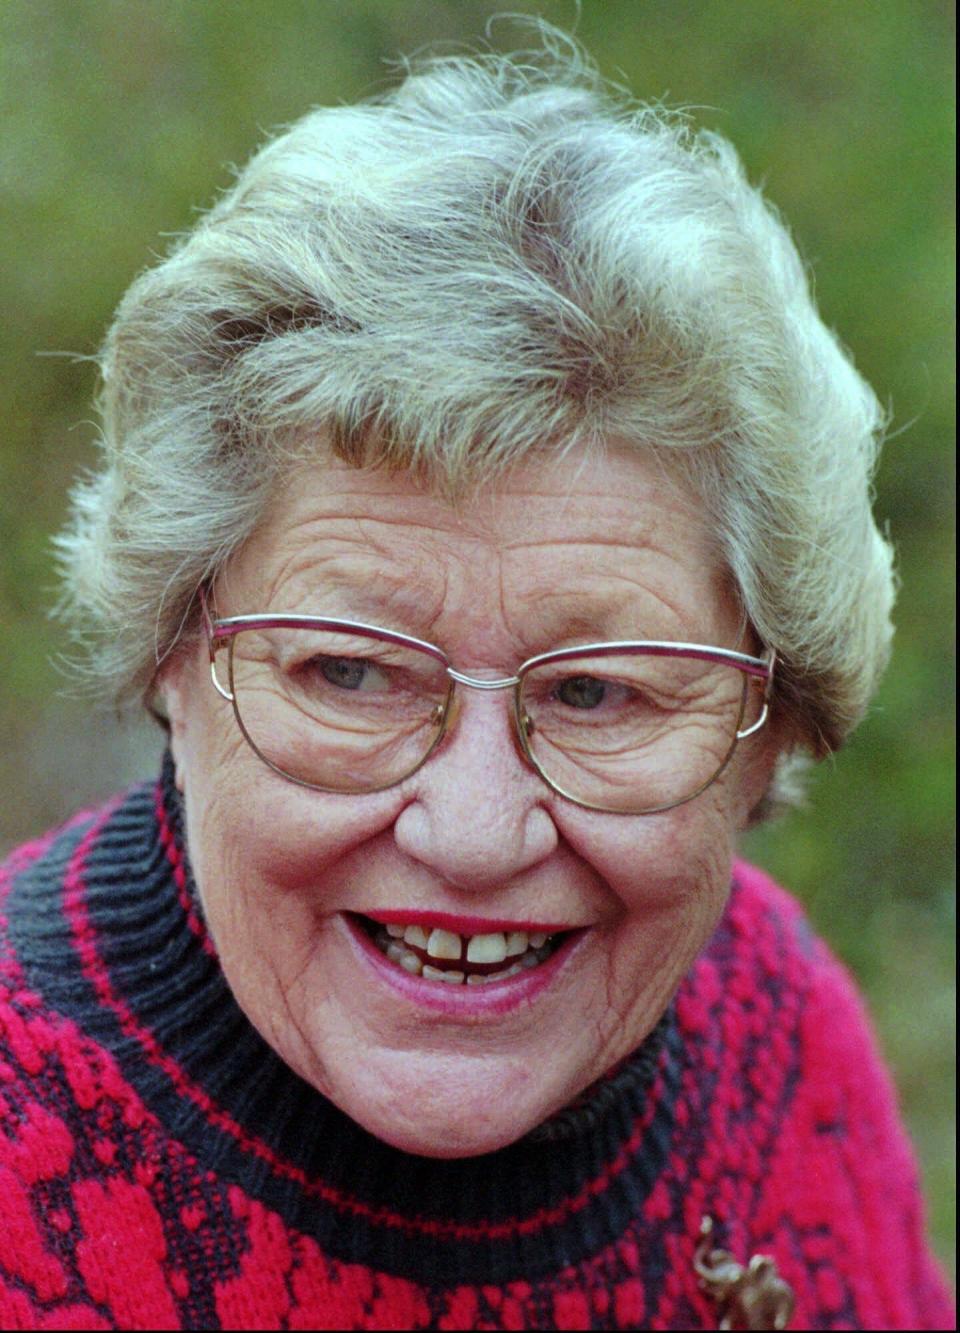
[559,553]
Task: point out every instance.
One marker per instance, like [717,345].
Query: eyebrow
[380,598]
[596,615]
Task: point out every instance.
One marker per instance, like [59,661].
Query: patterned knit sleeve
[842,1182]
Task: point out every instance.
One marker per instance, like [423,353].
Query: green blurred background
[120,118]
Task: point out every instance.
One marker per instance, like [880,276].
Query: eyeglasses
[632,727]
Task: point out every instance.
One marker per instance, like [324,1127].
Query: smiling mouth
[435,954]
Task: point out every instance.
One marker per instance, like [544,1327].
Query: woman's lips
[495,996]
[466,925]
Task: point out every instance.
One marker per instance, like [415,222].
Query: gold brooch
[751,1297]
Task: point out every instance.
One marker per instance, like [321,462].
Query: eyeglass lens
[347,712]
[344,712]
[631,732]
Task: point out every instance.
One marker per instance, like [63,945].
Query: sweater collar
[154,992]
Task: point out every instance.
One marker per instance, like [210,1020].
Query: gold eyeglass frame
[222,633]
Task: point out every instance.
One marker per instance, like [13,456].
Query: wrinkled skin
[561,552]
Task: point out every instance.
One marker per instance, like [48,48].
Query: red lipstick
[465,925]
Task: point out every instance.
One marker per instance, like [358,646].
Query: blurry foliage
[120,118]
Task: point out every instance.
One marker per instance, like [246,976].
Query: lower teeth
[398,953]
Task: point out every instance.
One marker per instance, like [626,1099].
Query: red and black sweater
[160,1167]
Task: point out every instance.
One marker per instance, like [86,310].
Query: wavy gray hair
[497,256]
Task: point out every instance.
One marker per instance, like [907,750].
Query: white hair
[498,256]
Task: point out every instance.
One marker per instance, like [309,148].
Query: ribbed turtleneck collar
[114,935]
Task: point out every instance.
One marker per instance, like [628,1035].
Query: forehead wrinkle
[652,541]
[606,614]
[400,500]
[646,572]
[579,495]
[428,582]
[508,563]
[363,528]
[349,559]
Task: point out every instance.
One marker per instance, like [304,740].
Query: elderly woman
[485,514]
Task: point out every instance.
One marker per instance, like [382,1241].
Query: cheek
[270,862]
[659,863]
[265,853]
[268,840]
[668,878]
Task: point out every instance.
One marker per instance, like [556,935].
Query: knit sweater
[160,1167]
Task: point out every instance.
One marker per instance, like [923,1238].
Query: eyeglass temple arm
[765,710]
[211,645]
[207,618]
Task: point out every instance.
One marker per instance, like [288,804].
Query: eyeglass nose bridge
[444,713]
[503,683]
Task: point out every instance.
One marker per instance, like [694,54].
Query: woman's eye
[349,673]
[582,691]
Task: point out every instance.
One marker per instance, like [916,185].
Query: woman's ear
[173,690]
[778,739]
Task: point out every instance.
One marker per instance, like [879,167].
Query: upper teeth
[442,944]
[494,947]
[487,948]
[406,945]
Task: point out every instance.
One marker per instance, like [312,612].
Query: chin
[458,1108]
[446,1139]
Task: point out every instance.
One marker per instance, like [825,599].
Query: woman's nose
[479,814]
